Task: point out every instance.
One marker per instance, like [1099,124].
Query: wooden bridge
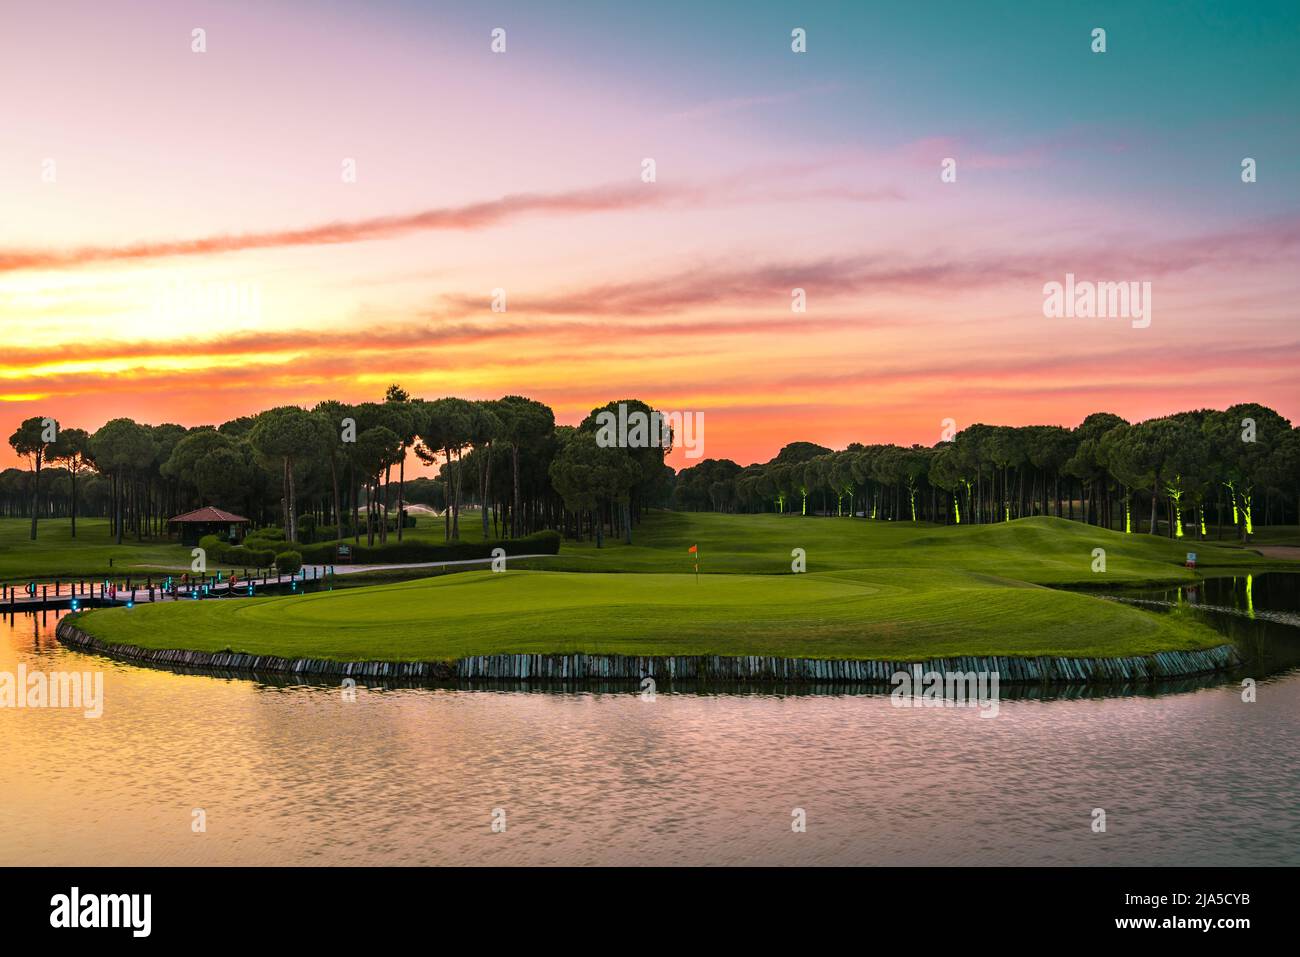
[85,593]
[82,593]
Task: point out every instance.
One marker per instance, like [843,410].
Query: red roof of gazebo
[209,514]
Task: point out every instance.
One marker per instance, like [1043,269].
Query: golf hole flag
[695,550]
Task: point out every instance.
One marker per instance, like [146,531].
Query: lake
[1186,773]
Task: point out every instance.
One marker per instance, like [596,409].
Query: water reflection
[1259,613]
[292,773]
[1006,690]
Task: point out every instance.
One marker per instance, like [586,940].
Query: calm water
[297,775]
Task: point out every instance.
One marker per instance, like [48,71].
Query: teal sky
[1183,92]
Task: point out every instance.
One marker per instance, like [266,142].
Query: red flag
[693,549]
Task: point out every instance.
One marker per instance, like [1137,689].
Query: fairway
[879,614]
[1042,550]
[94,554]
[56,553]
[1048,551]
[873,590]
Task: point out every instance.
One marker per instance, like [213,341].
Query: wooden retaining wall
[581,667]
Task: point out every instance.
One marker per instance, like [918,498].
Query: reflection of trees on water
[1259,613]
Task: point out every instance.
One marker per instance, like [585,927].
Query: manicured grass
[873,590]
[1271,535]
[55,553]
[878,613]
[1042,550]
[1048,551]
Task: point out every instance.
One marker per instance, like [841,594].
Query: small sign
[345,551]
[1191,559]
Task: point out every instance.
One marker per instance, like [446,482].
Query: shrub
[546,542]
[318,533]
[320,553]
[268,534]
[249,557]
[288,563]
[211,544]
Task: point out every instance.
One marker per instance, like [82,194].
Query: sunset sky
[174,171]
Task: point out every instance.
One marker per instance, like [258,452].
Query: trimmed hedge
[545,542]
[249,557]
[288,563]
[251,554]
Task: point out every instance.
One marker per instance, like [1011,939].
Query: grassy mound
[1049,551]
[859,614]
[872,590]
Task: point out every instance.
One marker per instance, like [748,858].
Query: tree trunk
[36,491]
[284,496]
[334,481]
[293,515]
[382,484]
[452,526]
[352,495]
[514,510]
[455,515]
[483,489]
[401,491]
[371,499]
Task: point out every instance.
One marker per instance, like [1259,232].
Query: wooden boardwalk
[97,594]
[102,593]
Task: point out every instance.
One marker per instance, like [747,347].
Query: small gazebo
[209,521]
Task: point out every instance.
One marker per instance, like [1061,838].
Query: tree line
[1169,474]
[338,470]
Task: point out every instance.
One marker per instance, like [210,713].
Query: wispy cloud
[465,217]
[422,339]
[754,186]
[726,285]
